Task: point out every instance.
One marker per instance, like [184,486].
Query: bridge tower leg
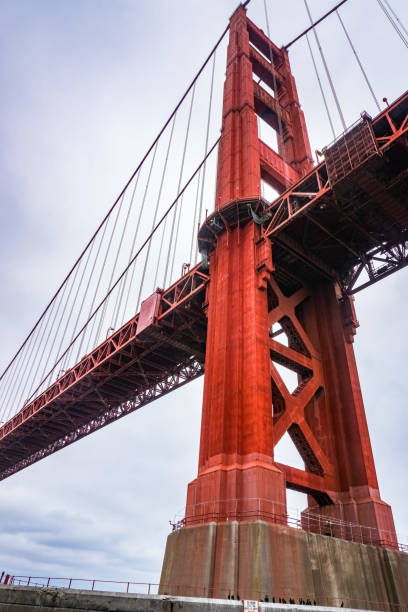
[236,540]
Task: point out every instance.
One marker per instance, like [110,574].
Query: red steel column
[357,497]
[236,475]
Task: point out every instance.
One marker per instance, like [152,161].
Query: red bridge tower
[236,541]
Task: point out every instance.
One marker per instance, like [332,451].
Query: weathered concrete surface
[257,560]
[33,599]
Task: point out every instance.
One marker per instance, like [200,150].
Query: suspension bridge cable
[85,293]
[193,232]
[178,191]
[159,223]
[358,61]
[281,142]
[326,69]
[117,256]
[311,27]
[206,145]
[197,75]
[50,352]
[392,22]
[137,228]
[76,296]
[20,381]
[396,17]
[178,208]
[13,371]
[91,276]
[321,87]
[163,174]
[103,268]
[124,280]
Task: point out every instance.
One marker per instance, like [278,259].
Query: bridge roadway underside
[346,218]
[160,349]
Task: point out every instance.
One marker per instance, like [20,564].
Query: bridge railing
[117,586]
[273,512]
[282,595]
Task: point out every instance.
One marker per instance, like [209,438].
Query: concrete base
[26,599]
[259,560]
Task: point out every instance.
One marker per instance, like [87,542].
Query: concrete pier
[260,560]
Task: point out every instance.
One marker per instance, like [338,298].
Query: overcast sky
[86,85]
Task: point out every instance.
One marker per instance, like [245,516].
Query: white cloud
[84,94]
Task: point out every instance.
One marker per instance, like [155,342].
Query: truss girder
[346,220]
[131,368]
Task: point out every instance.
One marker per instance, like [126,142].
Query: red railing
[264,509]
[149,588]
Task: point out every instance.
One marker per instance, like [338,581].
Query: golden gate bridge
[80,367]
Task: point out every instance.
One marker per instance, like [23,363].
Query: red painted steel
[277,270]
[158,350]
[266,282]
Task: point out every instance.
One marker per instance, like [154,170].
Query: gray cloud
[85,87]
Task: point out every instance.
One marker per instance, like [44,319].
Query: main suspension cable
[113,287]
[22,346]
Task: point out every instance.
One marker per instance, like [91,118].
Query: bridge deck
[350,214]
[160,349]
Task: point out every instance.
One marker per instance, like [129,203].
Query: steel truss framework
[349,215]
[134,366]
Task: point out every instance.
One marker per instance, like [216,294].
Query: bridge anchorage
[274,287]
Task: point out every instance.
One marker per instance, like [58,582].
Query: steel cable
[179,209]
[178,191]
[276,96]
[392,22]
[396,17]
[137,227]
[131,263]
[106,217]
[321,87]
[163,174]
[358,61]
[206,146]
[333,90]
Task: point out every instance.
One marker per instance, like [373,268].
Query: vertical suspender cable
[103,222]
[275,93]
[396,17]
[94,296]
[392,22]
[138,225]
[178,191]
[180,207]
[193,231]
[326,69]
[206,144]
[155,212]
[131,263]
[358,61]
[102,317]
[321,87]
